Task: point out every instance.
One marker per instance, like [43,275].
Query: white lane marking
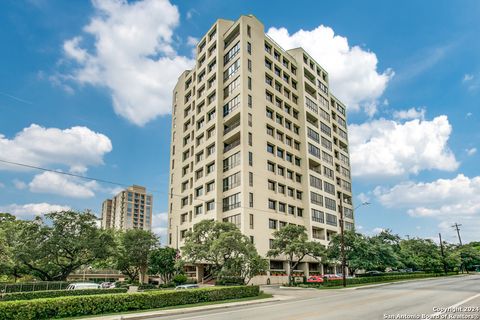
[453,306]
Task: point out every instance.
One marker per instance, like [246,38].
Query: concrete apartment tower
[258,140]
[130,208]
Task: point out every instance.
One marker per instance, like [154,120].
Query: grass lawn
[261,296]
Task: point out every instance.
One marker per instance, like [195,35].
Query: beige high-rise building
[258,140]
[130,208]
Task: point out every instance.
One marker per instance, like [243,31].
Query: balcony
[228,128]
[231,206]
[231,145]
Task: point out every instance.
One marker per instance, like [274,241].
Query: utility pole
[443,254]
[456,227]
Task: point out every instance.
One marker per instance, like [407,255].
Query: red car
[333,276]
[315,279]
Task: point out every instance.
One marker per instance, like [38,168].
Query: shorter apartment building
[129,209]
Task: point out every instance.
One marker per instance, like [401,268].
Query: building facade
[129,209]
[258,140]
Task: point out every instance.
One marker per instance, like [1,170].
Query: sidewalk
[183,310]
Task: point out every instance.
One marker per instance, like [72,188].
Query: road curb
[173,312]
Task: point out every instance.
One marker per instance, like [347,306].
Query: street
[408,300]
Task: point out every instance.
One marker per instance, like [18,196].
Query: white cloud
[32,209]
[160,225]
[468,115]
[76,147]
[468,77]
[352,70]
[2,185]
[378,230]
[471,151]
[363,197]
[412,113]
[19,184]
[386,148]
[133,56]
[54,183]
[447,200]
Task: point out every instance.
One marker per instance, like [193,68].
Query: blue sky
[79,95]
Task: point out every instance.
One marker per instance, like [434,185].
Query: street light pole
[342,238]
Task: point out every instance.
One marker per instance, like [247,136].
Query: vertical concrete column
[200,272]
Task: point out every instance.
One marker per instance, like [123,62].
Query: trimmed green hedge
[360,280]
[57,293]
[109,303]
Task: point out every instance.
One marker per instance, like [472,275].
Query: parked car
[187,286]
[83,286]
[107,285]
[315,279]
[373,273]
[332,276]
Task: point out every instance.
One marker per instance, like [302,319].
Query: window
[268,80]
[231,53]
[270,131]
[231,202]
[348,213]
[231,181]
[271,185]
[272,204]
[281,207]
[317,216]
[325,129]
[329,188]
[230,72]
[300,212]
[250,179]
[249,47]
[249,65]
[269,96]
[280,152]
[315,182]
[330,204]
[250,200]
[250,139]
[236,220]
[232,86]
[270,148]
[211,115]
[272,224]
[250,158]
[270,166]
[210,167]
[268,48]
[291,210]
[251,220]
[331,219]
[317,233]
[198,210]
[231,105]
[210,186]
[326,144]
[281,188]
[268,64]
[231,162]
[313,150]
[281,171]
[316,198]
[328,172]
[269,113]
[312,134]
[199,192]
[211,149]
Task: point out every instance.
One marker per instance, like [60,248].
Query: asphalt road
[408,300]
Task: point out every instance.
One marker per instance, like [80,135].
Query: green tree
[420,254]
[469,256]
[224,248]
[134,249]
[162,262]
[9,237]
[292,242]
[53,246]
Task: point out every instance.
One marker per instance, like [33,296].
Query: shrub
[147,286]
[229,281]
[56,293]
[180,279]
[122,302]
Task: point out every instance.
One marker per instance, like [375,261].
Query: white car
[83,286]
[187,286]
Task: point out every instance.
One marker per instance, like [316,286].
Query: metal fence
[33,286]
